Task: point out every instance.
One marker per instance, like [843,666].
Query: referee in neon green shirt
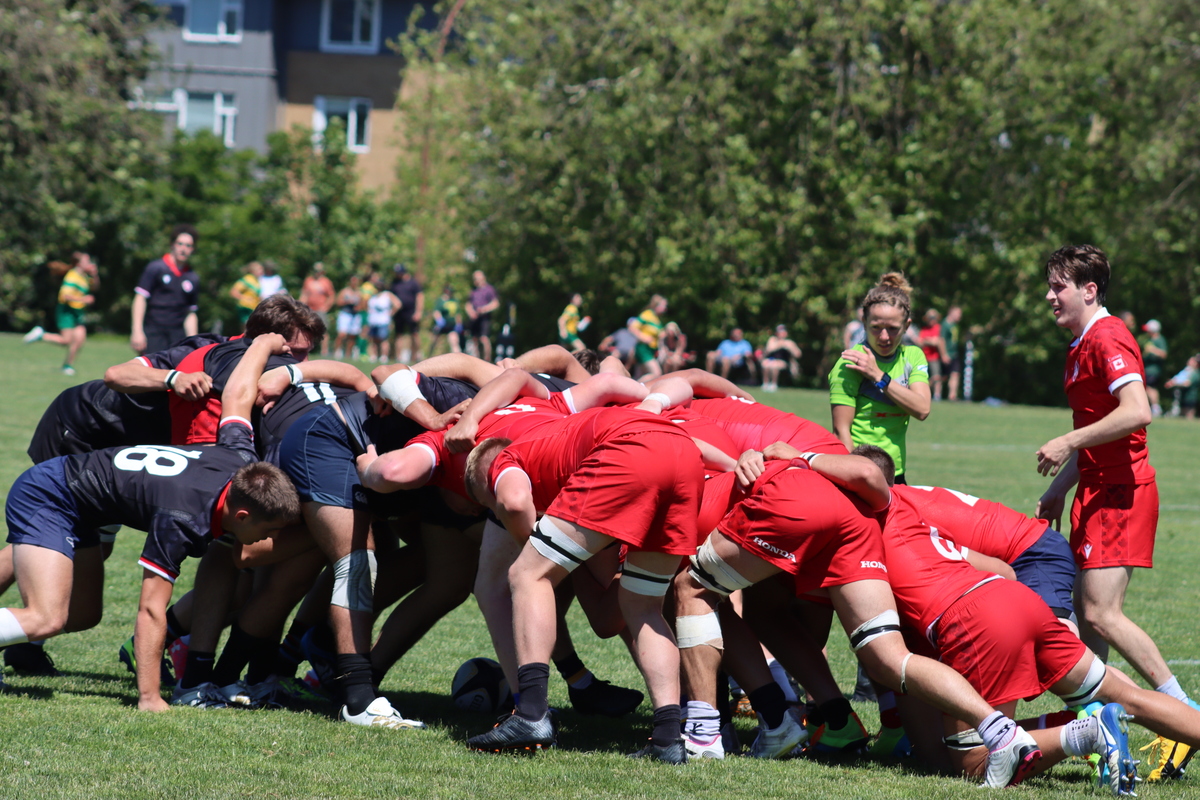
[874,389]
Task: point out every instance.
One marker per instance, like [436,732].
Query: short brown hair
[1081,264]
[265,491]
[589,360]
[478,463]
[287,316]
[880,458]
[892,290]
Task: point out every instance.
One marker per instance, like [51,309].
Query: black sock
[769,701]
[724,699]
[174,628]
[290,652]
[533,683]
[199,669]
[354,681]
[263,652]
[666,725]
[836,713]
[234,657]
[569,665]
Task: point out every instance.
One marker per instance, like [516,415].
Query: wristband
[294,373]
[883,382]
[400,389]
[169,381]
[810,456]
[660,397]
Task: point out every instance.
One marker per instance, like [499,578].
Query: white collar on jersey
[1099,315]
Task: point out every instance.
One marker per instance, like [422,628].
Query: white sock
[583,682]
[702,719]
[779,674]
[11,631]
[997,731]
[1173,689]
[1080,736]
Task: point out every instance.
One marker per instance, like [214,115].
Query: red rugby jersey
[753,426]
[981,525]
[1104,358]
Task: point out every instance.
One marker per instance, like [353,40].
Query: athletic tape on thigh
[649,584]
[354,581]
[714,574]
[1087,690]
[695,630]
[964,740]
[555,544]
[872,629]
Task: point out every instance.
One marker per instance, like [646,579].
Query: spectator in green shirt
[874,389]
[1154,359]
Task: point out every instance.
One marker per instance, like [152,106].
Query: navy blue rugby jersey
[172,493]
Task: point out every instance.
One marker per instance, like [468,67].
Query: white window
[354,112]
[193,111]
[350,26]
[212,21]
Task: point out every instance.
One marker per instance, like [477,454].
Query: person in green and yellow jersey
[80,280]
[647,327]
[877,387]
[247,292]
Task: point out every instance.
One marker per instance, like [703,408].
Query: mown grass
[80,735]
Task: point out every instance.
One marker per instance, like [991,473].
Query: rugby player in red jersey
[1114,515]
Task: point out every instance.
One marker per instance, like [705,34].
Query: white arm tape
[661,398]
[295,375]
[169,381]
[400,389]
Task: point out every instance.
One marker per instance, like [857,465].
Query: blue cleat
[1113,744]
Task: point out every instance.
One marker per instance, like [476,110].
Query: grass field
[80,735]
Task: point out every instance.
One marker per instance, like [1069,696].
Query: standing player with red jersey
[1115,511]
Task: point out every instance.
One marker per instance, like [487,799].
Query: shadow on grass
[576,731]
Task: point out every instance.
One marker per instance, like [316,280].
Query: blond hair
[892,290]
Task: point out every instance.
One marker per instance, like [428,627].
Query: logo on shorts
[1087,552]
[873,565]
[770,548]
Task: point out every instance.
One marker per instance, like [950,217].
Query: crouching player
[797,521]
[183,497]
[601,477]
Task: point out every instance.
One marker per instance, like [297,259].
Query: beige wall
[337,75]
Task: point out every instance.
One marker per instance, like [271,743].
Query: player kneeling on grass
[183,497]
[602,476]
[797,521]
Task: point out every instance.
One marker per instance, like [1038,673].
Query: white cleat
[380,714]
[704,746]
[34,335]
[1012,763]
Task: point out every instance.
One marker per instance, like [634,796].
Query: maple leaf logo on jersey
[1117,361]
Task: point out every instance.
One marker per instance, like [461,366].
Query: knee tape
[693,631]
[1087,690]
[354,581]
[964,740]
[714,574]
[555,544]
[872,629]
[649,584]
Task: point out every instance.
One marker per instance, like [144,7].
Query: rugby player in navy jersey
[183,497]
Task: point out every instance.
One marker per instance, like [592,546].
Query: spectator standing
[271,282]
[933,345]
[647,327]
[349,320]
[622,344]
[1186,384]
[74,296]
[854,333]
[479,308]
[672,348]
[570,324]
[247,291]
[166,296]
[1130,322]
[1154,357]
[779,354]
[951,335]
[407,320]
[447,321]
[370,287]
[732,352]
[381,307]
[317,293]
